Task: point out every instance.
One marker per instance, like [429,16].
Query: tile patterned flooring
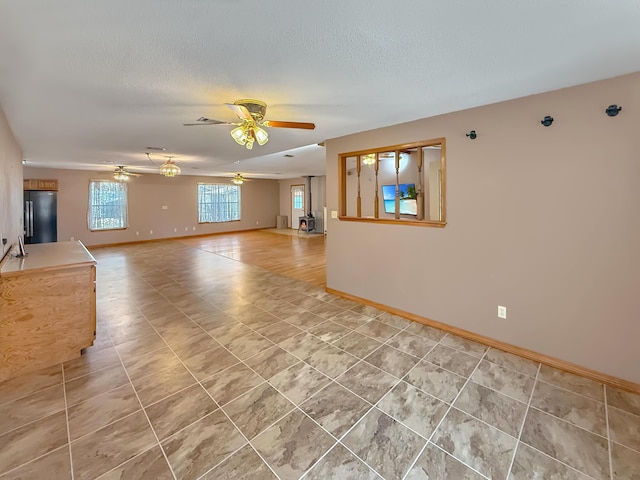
[205,367]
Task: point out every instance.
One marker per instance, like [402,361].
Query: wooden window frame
[342,185]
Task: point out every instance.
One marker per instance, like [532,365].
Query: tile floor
[208,368]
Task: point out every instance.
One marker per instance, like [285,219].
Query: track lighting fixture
[472,135]
[547,121]
[613,110]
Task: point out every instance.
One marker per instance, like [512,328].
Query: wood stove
[307,223]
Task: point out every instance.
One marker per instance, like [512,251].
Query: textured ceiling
[90,84]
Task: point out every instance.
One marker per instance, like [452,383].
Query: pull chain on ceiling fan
[249,130]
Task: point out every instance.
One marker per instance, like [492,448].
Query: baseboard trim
[183,237]
[506,347]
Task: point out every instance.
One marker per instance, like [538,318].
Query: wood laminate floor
[300,256]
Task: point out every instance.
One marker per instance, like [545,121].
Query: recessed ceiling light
[161,149]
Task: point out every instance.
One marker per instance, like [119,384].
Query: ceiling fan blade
[206,121]
[240,110]
[278,124]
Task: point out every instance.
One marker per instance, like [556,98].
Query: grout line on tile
[225,459]
[604,437]
[462,351]
[606,416]
[468,466]
[524,419]
[445,416]
[478,382]
[13,469]
[146,416]
[510,368]
[220,408]
[559,461]
[571,391]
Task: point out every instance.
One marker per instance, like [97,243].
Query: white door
[297,204]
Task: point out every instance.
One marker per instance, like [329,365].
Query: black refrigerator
[40,217]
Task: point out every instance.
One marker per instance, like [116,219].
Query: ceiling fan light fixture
[248,133]
[239,134]
[120,176]
[238,179]
[169,169]
[369,159]
[261,136]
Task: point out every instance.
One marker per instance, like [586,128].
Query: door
[297,204]
[40,217]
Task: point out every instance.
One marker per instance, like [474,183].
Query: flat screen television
[408,198]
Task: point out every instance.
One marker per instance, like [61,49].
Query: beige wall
[534,223]
[318,197]
[10,186]
[147,195]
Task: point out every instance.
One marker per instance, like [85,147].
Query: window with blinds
[107,205]
[218,203]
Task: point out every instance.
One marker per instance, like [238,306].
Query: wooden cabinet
[40,184]
[47,307]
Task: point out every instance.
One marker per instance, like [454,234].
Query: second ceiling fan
[248,130]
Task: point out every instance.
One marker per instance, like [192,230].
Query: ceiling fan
[238,179]
[248,130]
[121,174]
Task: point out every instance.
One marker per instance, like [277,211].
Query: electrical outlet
[151,232]
[186,229]
[257,222]
[175,229]
[137,233]
[165,207]
[72,239]
[194,228]
[334,214]
[502,312]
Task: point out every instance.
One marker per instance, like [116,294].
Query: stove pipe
[309,177]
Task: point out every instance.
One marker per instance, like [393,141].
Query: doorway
[297,204]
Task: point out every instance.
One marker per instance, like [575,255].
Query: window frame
[226,185]
[124,214]
[342,185]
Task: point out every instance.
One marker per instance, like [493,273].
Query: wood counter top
[46,256]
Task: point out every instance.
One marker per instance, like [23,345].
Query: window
[107,205]
[401,184]
[218,203]
[298,199]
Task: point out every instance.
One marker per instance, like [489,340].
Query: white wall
[11,197]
